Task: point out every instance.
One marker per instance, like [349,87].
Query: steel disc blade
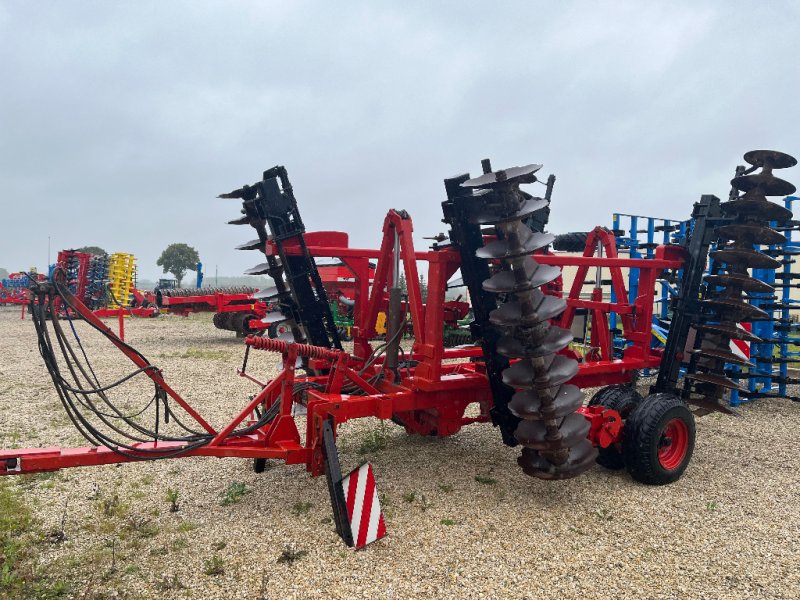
[716,380]
[736,309]
[746,258]
[270,292]
[764,209]
[708,405]
[528,404]
[522,374]
[533,434]
[763,183]
[727,356]
[500,249]
[260,269]
[512,175]
[488,215]
[555,340]
[581,458]
[245,220]
[731,331]
[505,281]
[770,158]
[510,313]
[251,245]
[753,234]
[745,282]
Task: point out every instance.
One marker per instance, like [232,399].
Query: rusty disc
[510,313]
[770,158]
[745,282]
[728,357]
[737,309]
[523,375]
[533,434]
[754,234]
[731,331]
[528,404]
[716,380]
[555,340]
[763,183]
[762,208]
[746,257]
[581,458]
[505,281]
[500,249]
[513,175]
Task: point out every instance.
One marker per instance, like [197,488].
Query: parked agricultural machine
[519,370]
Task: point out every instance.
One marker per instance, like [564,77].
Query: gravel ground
[730,528]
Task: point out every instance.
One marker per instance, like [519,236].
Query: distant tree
[403,284]
[177,259]
[423,288]
[3,274]
[96,250]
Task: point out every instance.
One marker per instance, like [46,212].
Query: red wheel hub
[674,444]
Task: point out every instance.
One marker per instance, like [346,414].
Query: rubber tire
[571,242]
[623,399]
[259,465]
[641,436]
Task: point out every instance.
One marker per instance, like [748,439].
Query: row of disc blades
[552,434]
[748,216]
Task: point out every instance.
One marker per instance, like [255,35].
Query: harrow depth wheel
[658,439]
[623,399]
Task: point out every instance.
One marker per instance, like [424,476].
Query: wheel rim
[674,444]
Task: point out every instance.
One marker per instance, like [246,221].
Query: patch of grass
[447,488]
[376,440]
[214,566]
[301,508]
[186,527]
[485,478]
[131,570]
[448,522]
[291,554]
[179,543]
[111,506]
[142,527]
[169,584]
[146,479]
[409,496]
[172,498]
[603,514]
[233,493]
[218,546]
[20,573]
[711,505]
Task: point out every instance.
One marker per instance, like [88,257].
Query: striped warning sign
[741,348]
[363,506]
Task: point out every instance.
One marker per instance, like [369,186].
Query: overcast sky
[121,122]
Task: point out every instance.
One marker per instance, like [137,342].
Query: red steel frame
[428,398]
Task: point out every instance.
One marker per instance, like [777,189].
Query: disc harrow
[553,435]
[748,216]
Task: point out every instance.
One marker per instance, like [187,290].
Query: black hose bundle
[85,398]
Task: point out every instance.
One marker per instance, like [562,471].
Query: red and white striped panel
[363,506]
[741,348]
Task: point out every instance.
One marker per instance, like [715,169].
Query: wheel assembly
[658,439]
[552,434]
[623,399]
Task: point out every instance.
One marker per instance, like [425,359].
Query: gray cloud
[119,123]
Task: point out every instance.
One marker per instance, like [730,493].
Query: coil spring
[282,346]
